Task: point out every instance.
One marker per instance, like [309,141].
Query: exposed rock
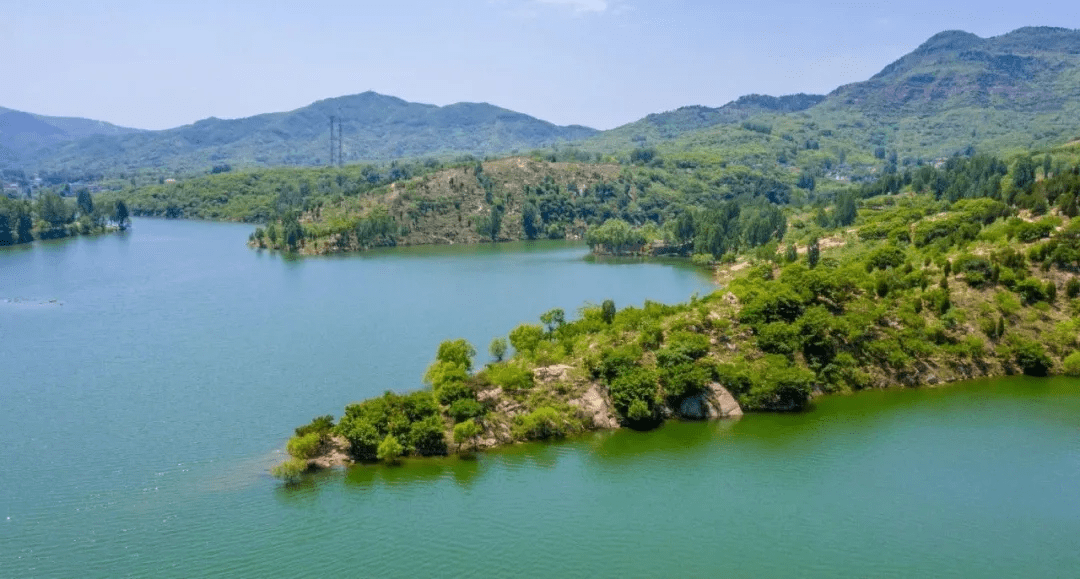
[713,402]
[596,407]
[556,373]
[334,452]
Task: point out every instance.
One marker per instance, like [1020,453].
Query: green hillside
[374,127]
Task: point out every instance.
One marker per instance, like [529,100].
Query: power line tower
[336,156]
[333,145]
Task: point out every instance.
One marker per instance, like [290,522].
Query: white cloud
[579,5]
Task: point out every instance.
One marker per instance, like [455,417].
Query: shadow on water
[673,440]
[415,471]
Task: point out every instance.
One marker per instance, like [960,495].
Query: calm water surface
[140,411]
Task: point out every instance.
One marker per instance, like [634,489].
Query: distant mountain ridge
[671,124]
[374,127]
[955,92]
[21,132]
[1021,71]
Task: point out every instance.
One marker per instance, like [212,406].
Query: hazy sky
[600,63]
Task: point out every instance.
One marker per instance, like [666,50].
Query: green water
[140,411]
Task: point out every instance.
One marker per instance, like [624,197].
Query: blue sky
[600,63]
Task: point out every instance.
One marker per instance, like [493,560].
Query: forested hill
[23,133]
[1017,91]
[955,93]
[667,125]
[374,127]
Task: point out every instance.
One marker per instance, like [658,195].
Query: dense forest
[52,216]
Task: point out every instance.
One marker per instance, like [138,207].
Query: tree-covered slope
[374,127]
[22,134]
[954,94]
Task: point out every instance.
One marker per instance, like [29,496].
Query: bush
[618,361]
[685,379]
[290,470]
[321,425]
[457,352]
[451,392]
[1072,288]
[634,384]
[510,377]
[464,409]
[390,450]
[305,446]
[778,338]
[526,337]
[779,386]
[542,423]
[1071,364]
[466,431]
[1031,357]
[1031,290]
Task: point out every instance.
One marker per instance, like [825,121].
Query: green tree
[553,319]
[465,433]
[813,253]
[85,202]
[390,450]
[52,209]
[1051,291]
[607,311]
[526,337]
[457,351]
[120,215]
[1072,287]
[497,349]
[7,233]
[791,255]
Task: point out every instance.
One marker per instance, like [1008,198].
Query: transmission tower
[336,157]
[333,147]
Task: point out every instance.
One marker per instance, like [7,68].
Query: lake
[150,379]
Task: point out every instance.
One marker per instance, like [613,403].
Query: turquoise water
[139,414]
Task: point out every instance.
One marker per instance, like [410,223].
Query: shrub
[290,470]
[451,392]
[1072,288]
[635,383]
[464,409]
[618,361]
[526,337]
[457,352]
[778,338]
[497,349]
[305,446]
[542,423]
[685,378]
[510,377]
[1031,290]
[1031,357]
[466,431]
[1071,364]
[426,438]
[321,425]
[886,257]
[779,386]
[390,450]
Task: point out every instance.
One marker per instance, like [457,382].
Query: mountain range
[955,92]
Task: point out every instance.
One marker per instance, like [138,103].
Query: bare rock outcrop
[334,452]
[713,402]
[595,406]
